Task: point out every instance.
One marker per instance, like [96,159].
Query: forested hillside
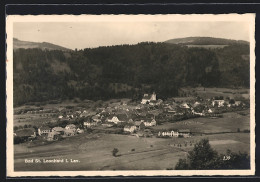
[125,71]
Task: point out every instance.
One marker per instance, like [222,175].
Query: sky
[82,35]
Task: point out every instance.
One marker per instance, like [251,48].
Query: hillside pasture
[208,46]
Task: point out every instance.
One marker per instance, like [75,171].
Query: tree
[15,128]
[182,164]
[203,157]
[115,151]
[232,101]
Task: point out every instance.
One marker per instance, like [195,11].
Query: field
[225,92]
[91,151]
[230,122]
[208,46]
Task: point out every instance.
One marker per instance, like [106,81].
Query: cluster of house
[134,118]
[56,132]
[131,122]
[175,133]
[197,107]
[48,133]
[222,103]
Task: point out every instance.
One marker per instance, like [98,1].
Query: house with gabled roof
[150,122]
[118,118]
[44,130]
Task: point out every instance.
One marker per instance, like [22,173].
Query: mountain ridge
[205,41]
[18,44]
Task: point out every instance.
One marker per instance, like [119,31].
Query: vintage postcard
[130,95]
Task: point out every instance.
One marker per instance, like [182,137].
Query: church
[148,98]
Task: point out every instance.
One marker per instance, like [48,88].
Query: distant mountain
[17,44]
[205,41]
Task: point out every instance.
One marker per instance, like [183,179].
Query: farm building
[130,128]
[44,130]
[171,133]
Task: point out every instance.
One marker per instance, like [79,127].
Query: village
[126,117]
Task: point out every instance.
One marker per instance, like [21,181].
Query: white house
[44,130]
[220,103]
[113,119]
[148,98]
[130,128]
[89,124]
[150,122]
[117,119]
[185,105]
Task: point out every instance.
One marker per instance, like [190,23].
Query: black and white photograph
[108,95]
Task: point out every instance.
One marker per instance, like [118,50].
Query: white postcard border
[125,18]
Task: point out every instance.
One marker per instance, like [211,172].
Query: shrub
[18,140]
[115,151]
